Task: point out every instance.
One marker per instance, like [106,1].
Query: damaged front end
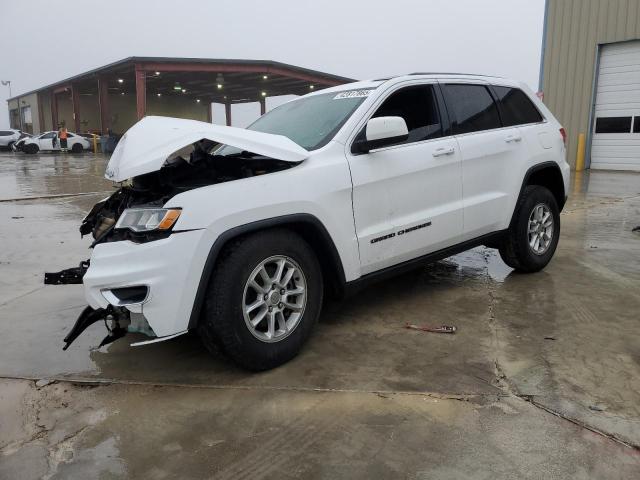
[193,155]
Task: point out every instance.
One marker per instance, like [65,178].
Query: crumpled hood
[147,145]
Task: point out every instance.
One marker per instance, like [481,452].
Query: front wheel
[264,299]
[533,235]
[77,148]
[31,148]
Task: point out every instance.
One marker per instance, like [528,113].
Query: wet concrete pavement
[539,365]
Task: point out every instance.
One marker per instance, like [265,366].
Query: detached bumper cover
[170,268]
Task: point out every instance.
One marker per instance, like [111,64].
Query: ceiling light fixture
[219,86]
[184,90]
[264,94]
[198,100]
[311,87]
[159,94]
[120,80]
[264,77]
[157,73]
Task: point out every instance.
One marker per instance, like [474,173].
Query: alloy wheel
[540,229]
[274,298]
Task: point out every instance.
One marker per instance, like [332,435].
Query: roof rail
[453,73]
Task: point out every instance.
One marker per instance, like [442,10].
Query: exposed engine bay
[195,166]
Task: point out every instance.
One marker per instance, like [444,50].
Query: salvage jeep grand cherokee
[239,234]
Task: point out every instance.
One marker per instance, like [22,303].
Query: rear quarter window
[516,107]
[472,108]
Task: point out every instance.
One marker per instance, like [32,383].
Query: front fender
[226,236]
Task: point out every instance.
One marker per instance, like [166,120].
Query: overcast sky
[359,39]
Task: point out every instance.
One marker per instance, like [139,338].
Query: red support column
[141,92]
[103,102]
[75,100]
[227,112]
[40,114]
[54,110]
[263,106]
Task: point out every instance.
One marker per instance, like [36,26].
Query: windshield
[311,121]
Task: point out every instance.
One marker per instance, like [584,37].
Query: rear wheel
[533,235]
[264,299]
[77,148]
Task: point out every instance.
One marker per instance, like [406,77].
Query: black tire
[515,249]
[31,148]
[77,148]
[223,326]
[10,146]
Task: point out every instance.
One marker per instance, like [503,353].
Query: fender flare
[225,237]
[525,181]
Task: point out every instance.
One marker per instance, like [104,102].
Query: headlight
[148,219]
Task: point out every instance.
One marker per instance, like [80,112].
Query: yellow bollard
[95,144]
[580,153]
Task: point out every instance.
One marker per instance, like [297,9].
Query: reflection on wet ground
[566,337]
[51,174]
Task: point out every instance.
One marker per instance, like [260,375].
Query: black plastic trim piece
[355,286]
[129,295]
[531,171]
[252,227]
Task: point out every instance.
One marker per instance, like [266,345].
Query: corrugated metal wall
[573,31]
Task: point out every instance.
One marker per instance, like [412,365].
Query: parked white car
[10,136]
[240,234]
[48,141]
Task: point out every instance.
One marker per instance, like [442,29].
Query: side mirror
[382,131]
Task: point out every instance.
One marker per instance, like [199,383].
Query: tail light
[563,134]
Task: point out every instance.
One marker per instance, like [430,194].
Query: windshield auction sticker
[353,94]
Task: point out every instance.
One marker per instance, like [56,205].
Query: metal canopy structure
[204,81]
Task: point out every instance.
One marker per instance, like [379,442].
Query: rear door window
[516,107]
[417,106]
[5,134]
[472,108]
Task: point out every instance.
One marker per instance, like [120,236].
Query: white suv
[240,234]
[9,137]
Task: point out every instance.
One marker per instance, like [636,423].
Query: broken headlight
[148,219]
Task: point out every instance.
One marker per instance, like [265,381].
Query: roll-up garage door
[616,127]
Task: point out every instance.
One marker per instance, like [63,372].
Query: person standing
[62,134]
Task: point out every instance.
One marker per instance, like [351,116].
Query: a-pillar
[263,106]
[141,93]
[75,100]
[227,113]
[103,102]
[209,115]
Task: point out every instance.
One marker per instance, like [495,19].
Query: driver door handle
[512,138]
[439,152]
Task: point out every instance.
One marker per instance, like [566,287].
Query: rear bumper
[170,269]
